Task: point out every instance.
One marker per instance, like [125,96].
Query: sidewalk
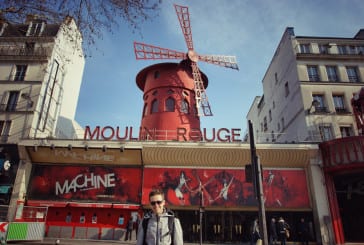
[52,241]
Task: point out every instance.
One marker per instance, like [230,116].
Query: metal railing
[22,51]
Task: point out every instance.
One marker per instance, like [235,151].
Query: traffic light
[248,173]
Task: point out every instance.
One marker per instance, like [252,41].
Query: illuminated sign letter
[181,132]
[91,136]
[226,137]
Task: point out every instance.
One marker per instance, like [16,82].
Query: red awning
[90,205]
[125,206]
[46,203]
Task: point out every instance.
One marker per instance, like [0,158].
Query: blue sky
[247,29]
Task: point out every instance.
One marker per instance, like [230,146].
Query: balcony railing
[22,51]
[341,110]
[320,109]
[342,152]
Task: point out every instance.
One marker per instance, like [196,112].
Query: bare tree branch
[92,16]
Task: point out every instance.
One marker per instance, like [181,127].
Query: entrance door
[229,226]
[350,197]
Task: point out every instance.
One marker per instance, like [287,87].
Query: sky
[248,29]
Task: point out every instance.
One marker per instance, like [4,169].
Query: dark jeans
[128,234]
[282,238]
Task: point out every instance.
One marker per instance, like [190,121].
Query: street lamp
[258,185]
[201,209]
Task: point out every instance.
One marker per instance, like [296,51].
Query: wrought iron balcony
[14,52]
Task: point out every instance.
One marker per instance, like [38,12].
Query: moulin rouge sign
[180,134]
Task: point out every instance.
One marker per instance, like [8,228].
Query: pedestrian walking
[255,236]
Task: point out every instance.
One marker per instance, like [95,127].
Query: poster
[283,188]
[79,183]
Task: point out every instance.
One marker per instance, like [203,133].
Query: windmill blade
[149,52]
[202,104]
[221,60]
[184,21]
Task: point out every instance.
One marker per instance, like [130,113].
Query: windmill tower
[174,93]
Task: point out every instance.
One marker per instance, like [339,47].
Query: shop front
[228,201]
[343,167]
[92,193]
[86,202]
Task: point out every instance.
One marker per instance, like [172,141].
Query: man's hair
[155,192]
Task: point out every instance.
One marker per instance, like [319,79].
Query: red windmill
[195,81]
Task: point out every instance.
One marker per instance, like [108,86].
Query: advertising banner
[85,183]
[283,188]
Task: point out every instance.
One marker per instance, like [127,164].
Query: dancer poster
[283,188]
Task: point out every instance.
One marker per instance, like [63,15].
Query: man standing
[159,226]
[129,229]
[273,236]
[283,229]
[303,231]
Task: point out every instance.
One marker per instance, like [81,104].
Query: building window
[29,48]
[170,104]
[342,49]
[305,48]
[282,123]
[270,115]
[352,74]
[332,73]
[313,74]
[265,124]
[326,132]
[274,104]
[286,89]
[156,74]
[2,28]
[12,101]
[278,127]
[185,108]
[145,110]
[339,103]
[4,130]
[276,77]
[154,106]
[346,131]
[36,28]
[20,72]
[324,49]
[320,105]
[361,50]
[352,49]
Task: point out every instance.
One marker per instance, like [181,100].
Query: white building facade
[307,94]
[308,86]
[41,67]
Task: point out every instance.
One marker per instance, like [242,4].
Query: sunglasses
[156,202]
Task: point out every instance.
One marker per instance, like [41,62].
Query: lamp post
[258,186]
[201,210]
